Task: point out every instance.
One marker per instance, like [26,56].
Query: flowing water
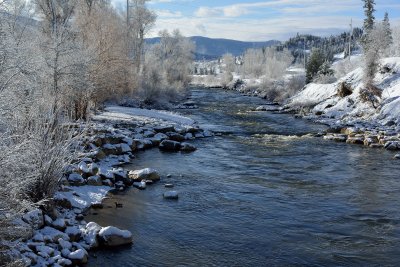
[260,195]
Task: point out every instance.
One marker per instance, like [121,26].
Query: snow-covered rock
[144,174]
[112,236]
[52,234]
[76,179]
[90,234]
[78,257]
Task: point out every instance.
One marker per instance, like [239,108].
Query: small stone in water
[169,185]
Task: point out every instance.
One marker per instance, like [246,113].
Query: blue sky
[255,20]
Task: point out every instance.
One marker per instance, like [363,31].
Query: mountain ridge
[212,48]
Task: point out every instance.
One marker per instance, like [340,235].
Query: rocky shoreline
[61,236]
[359,132]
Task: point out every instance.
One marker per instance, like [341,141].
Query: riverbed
[264,193]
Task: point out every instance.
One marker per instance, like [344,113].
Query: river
[262,194]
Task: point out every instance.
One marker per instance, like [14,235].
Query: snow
[77,254]
[84,195]
[323,97]
[137,114]
[53,234]
[114,231]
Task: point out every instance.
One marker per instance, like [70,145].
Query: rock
[171,195]
[199,135]
[397,156]
[45,251]
[106,173]
[125,148]
[59,224]
[176,137]
[208,133]
[168,145]
[78,257]
[52,235]
[83,168]
[74,233]
[392,145]
[38,237]
[34,218]
[112,236]
[355,140]
[76,179]
[90,234]
[186,147]
[140,185]
[109,149]
[160,137]
[189,136]
[64,244]
[169,185]
[148,134]
[164,129]
[48,220]
[63,202]
[144,174]
[95,181]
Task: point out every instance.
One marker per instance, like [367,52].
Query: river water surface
[260,195]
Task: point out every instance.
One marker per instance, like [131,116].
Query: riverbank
[342,106]
[61,236]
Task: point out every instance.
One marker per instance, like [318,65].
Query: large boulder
[112,236]
[168,145]
[144,174]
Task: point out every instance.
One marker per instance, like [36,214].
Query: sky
[255,20]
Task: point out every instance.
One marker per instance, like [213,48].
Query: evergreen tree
[387,30]
[315,62]
[369,14]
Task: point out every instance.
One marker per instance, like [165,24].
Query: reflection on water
[262,195]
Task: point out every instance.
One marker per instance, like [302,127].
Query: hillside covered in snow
[343,100]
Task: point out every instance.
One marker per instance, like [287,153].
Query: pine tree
[316,60]
[387,30]
[369,14]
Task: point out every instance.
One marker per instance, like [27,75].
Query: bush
[371,94]
[344,89]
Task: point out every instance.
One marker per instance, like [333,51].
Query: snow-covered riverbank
[61,236]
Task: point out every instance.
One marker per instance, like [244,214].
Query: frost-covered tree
[229,61]
[141,20]
[369,10]
[276,62]
[387,31]
[167,67]
[254,62]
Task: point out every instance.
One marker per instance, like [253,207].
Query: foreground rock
[112,236]
[186,147]
[171,195]
[144,174]
[168,145]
